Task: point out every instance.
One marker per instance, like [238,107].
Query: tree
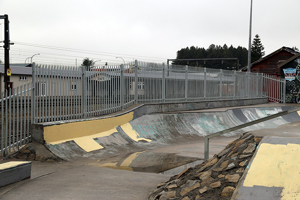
[257,49]
[87,63]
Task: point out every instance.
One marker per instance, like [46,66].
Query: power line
[86,51]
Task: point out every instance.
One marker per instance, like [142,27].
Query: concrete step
[14,171]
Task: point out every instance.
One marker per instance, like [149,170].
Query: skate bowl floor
[134,135]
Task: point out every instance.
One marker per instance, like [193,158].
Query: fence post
[204,83]
[163,95]
[186,83]
[83,92]
[33,95]
[257,84]
[247,84]
[136,82]
[234,84]
[221,83]
[284,89]
[206,148]
[122,86]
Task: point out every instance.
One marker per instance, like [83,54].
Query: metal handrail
[206,138]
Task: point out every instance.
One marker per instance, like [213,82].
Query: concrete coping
[126,111]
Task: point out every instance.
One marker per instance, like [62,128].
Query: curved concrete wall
[155,129]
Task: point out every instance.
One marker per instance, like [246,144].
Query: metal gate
[15,119]
[274,88]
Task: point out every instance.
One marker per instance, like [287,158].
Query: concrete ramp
[274,171]
[96,137]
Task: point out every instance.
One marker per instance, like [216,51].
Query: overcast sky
[149,30]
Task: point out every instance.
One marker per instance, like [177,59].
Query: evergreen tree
[257,49]
[87,63]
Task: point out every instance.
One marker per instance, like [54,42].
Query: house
[269,64]
[20,75]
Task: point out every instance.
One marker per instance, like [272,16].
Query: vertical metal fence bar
[186,83]
[32,95]
[21,115]
[221,83]
[14,140]
[18,119]
[9,118]
[28,113]
[6,123]
[204,85]
[2,124]
[122,86]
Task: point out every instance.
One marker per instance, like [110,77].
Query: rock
[227,191]
[221,176]
[225,151]
[238,143]
[198,198]
[189,186]
[161,184]
[172,186]
[244,163]
[31,157]
[234,155]
[240,170]
[245,156]
[228,145]
[206,178]
[202,190]
[25,151]
[232,178]
[218,169]
[257,139]
[183,172]
[163,196]
[245,135]
[250,148]
[203,175]
[186,198]
[215,184]
[207,181]
[21,156]
[209,163]
[234,158]
[230,166]
[171,194]
[224,164]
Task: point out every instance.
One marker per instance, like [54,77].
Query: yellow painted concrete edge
[84,132]
[12,164]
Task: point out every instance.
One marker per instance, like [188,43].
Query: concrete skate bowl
[133,132]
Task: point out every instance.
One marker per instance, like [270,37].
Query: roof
[288,49]
[17,69]
[289,60]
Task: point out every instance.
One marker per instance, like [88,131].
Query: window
[23,78]
[40,89]
[140,85]
[73,87]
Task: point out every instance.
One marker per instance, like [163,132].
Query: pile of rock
[214,179]
[34,151]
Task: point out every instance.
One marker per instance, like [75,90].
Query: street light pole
[122,59]
[250,30]
[34,55]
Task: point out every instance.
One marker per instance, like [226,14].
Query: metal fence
[274,88]
[60,93]
[64,93]
[15,119]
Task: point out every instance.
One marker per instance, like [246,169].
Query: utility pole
[6,53]
[250,30]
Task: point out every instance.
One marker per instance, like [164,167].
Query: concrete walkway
[274,171]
